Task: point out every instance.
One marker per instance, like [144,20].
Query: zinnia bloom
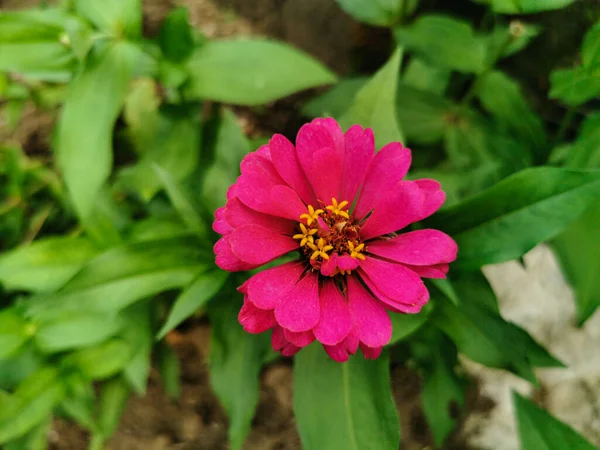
[343,209]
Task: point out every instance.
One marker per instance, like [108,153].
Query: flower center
[329,231]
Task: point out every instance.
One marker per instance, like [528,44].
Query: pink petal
[325,174]
[255,320]
[258,245]
[435,271]
[329,266]
[388,167]
[395,210]
[360,147]
[220,225]
[335,322]
[287,202]
[394,281]
[299,339]
[370,353]
[285,160]
[237,214]
[299,310]
[346,262]
[316,135]
[373,324]
[393,305]
[418,248]
[340,352]
[434,196]
[226,259]
[266,288]
[281,344]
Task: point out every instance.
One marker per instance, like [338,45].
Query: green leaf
[426,77]
[442,395]
[121,18]
[113,400]
[31,25]
[473,287]
[538,430]
[509,219]
[406,324]
[13,332]
[336,101]
[76,329]
[35,439]
[585,153]
[590,50]
[169,370]
[382,13]
[79,403]
[502,97]
[574,86]
[45,265]
[31,404]
[483,336]
[505,41]
[423,115]
[577,249]
[193,298]
[123,275]
[374,105]
[102,361]
[85,130]
[252,71]
[175,36]
[525,6]
[139,334]
[345,406]
[235,361]
[445,42]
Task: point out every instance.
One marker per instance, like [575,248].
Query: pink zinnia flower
[342,208]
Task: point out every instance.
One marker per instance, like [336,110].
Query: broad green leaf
[34,401]
[382,13]
[505,41]
[229,147]
[193,298]
[473,287]
[590,49]
[113,399]
[404,325]
[502,97]
[123,275]
[156,228]
[79,402]
[483,336]
[444,41]
[170,370]
[236,358]
[252,71]
[18,367]
[13,332]
[31,25]
[102,361]
[538,430]
[35,439]
[574,86]
[94,101]
[512,217]
[45,265]
[140,112]
[466,141]
[336,101]
[175,37]
[525,6]
[345,406]
[76,329]
[577,249]
[426,77]
[423,116]
[121,18]
[585,152]
[374,105]
[442,395]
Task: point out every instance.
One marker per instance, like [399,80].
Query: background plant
[108,243]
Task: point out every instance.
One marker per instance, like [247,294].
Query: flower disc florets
[345,210]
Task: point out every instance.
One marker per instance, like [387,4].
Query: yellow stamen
[312,215]
[336,208]
[355,251]
[306,237]
[320,249]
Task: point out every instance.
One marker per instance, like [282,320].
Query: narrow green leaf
[474,288]
[113,400]
[538,430]
[175,36]
[45,265]
[194,297]
[382,13]
[512,217]
[445,42]
[85,130]
[235,361]
[336,101]
[79,403]
[345,406]
[102,361]
[585,153]
[76,329]
[252,71]
[47,61]
[525,6]
[403,325]
[13,332]
[574,86]
[122,18]
[590,50]
[374,105]
[169,370]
